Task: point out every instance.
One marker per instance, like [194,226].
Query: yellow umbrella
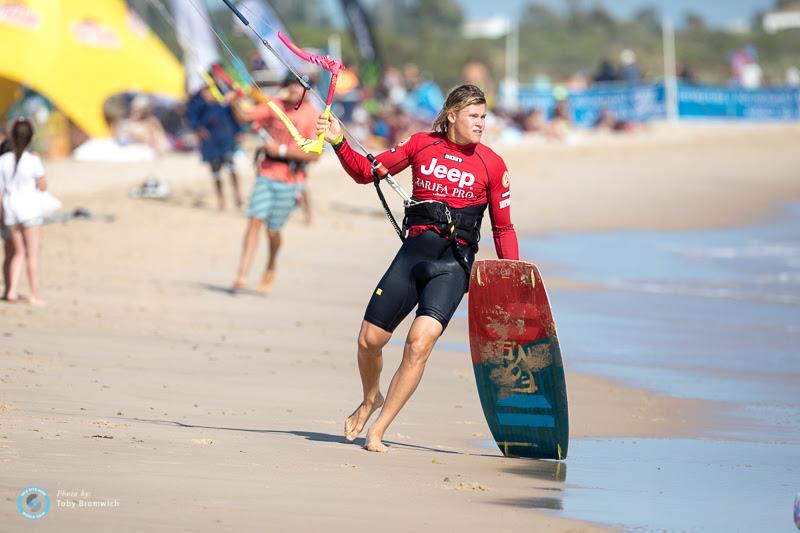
[9,93]
[79,52]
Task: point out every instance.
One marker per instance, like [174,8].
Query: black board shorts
[425,271]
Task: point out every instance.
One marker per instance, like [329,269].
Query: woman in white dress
[21,183]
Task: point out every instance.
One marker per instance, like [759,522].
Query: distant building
[783,19]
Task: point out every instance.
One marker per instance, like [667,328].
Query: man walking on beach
[455,178]
[281,175]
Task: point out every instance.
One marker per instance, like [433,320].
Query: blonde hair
[459,98]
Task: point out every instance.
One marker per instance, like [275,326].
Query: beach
[147,385]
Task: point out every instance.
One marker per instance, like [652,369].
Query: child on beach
[217,129]
[21,181]
[281,175]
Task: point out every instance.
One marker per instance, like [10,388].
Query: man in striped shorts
[281,177]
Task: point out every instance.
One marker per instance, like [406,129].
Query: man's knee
[371,338]
[418,348]
[368,342]
[424,333]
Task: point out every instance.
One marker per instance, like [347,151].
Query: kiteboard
[517,360]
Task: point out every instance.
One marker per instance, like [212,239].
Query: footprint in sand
[474,487]
[203,442]
[109,425]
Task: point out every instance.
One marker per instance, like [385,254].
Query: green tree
[536,14]
[648,17]
[599,16]
[694,22]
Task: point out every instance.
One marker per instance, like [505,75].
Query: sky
[716,12]
[719,13]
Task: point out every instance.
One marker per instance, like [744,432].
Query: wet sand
[147,383]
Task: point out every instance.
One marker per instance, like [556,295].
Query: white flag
[197,40]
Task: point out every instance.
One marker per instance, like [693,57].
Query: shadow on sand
[224,289]
[308,435]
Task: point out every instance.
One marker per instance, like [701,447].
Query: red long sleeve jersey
[458,175]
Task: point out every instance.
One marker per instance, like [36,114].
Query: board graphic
[517,360]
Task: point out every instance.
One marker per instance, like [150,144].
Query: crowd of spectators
[406,100]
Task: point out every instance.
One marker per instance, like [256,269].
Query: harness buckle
[449,219]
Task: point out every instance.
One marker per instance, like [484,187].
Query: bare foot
[267,281]
[238,284]
[35,301]
[374,443]
[355,422]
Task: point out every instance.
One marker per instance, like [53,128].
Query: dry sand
[145,383]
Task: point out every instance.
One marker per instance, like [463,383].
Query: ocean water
[711,315]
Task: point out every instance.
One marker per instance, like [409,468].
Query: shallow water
[671,484]
[712,315]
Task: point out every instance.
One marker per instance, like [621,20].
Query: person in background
[8,250]
[423,98]
[348,92]
[143,127]
[793,76]
[392,88]
[475,72]
[686,74]
[578,81]
[217,128]
[5,140]
[560,125]
[534,121]
[629,71]
[21,179]
[280,180]
[606,73]
[608,121]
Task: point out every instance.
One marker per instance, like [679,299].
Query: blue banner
[773,104]
[646,102]
[638,103]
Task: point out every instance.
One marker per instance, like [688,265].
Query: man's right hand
[330,126]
